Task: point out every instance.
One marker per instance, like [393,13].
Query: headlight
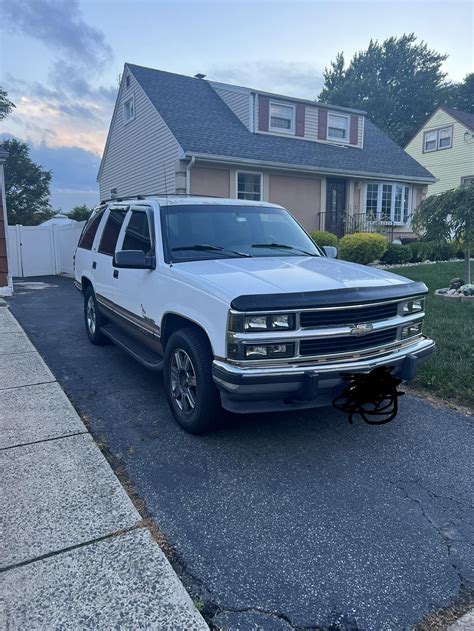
[239,323]
[413,306]
[269,351]
[412,330]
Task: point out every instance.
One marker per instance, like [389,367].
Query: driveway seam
[43,440]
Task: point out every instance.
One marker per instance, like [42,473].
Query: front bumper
[274,388]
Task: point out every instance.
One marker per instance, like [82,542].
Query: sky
[61,60]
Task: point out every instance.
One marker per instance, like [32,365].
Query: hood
[265,282]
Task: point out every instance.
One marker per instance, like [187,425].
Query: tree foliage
[463,94]
[26,186]
[80,213]
[447,216]
[399,82]
[6,106]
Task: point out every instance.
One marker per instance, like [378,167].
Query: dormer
[289,117]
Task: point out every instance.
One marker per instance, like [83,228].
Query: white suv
[238,306]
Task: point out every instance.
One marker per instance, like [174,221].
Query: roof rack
[140,197]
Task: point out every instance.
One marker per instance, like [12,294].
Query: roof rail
[140,197]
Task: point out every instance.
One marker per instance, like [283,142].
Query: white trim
[346,140]
[280,130]
[129,99]
[259,173]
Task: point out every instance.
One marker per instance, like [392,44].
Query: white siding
[360,132]
[238,102]
[311,117]
[139,153]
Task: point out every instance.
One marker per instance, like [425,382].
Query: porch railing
[341,223]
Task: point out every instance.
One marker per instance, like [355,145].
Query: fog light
[252,352]
[411,330]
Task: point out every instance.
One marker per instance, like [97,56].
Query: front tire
[192,396]
[93,319]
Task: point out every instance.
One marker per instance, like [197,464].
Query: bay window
[386,201]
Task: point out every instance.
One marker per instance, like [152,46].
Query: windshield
[201,232]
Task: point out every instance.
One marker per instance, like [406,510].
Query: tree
[447,216]
[399,83]
[80,213]
[463,94]
[26,186]
[6,106]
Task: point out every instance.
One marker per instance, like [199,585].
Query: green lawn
[449,373]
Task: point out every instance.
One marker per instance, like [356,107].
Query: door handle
[94,264]
[115,273]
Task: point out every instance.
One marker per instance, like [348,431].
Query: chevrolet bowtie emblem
[361,329]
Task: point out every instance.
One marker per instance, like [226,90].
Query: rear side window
[87,237]
[137,234]
[112,230]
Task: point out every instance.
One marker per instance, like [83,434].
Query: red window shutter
[322,124]
[354,133]
[263,112]
[300,112]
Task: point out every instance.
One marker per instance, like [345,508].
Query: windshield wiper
[281,246]
[204,247]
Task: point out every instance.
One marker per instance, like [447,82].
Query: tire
[192,396]
[93,319]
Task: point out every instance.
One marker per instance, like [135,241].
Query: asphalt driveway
[278,521]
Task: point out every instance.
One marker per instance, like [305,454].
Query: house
[6,284]
[329,165]
[445,146]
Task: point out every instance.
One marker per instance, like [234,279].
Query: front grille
[346,343]
[348,317]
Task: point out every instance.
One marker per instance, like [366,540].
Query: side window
[137,234]
[87,237]
[111,231]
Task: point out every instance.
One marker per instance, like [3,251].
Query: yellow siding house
[445,146]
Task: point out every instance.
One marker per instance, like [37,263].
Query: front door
[335,206]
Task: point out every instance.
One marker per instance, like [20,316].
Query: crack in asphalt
[443,531]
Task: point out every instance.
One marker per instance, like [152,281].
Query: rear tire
[93,319]
[192,396]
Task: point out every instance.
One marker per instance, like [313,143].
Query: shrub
[324,238]
[362,247]
[416,251]
[437,251]
[396,254]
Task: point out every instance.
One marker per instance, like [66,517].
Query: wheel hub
[183,381]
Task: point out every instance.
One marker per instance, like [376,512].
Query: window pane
[371,203]
[281,123]
[248,186]
[430,140]
[87,238]
[445,137]
[111,231]
[337,126]
[137,234]
[397,213]
[281,116]
[386,202]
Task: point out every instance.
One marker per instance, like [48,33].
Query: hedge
[362,247]
[397,254]
[433,251]
[322,238]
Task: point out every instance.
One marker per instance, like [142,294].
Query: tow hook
[373,395]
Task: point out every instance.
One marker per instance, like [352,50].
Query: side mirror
[133,259]
[330,251]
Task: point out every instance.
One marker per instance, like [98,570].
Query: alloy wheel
[183,381]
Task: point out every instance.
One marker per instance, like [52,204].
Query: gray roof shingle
[466,118]
[203,124]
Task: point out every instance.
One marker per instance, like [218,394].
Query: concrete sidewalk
[74,552]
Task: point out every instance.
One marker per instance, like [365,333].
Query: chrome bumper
[284,387]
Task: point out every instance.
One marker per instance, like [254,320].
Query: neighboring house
[6,284]
[445,146]
[330,166]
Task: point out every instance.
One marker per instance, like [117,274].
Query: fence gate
[42,250]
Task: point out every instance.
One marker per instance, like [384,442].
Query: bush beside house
[362,247]
[322,238]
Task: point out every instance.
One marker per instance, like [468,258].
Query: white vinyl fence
[42,250]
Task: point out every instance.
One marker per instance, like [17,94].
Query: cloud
[284,77]
[59,25]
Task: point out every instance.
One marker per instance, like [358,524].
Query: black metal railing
[341,223]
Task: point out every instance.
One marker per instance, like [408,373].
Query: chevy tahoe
[238,306]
